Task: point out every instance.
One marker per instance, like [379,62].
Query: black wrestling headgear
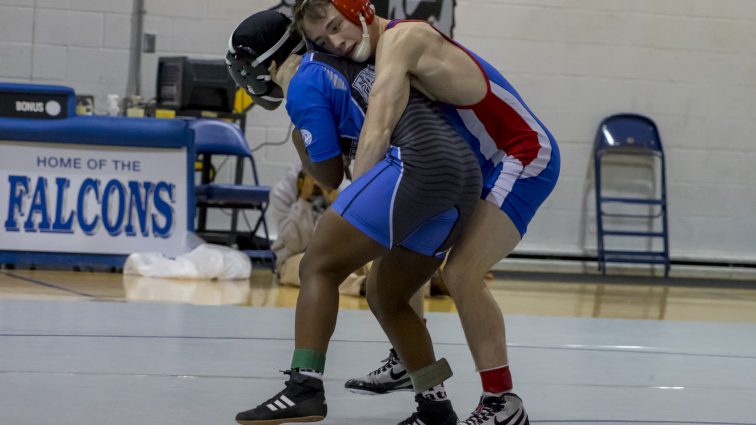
[259,40]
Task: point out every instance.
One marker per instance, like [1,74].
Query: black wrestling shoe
[431,413]
[303,400]
[390,377]
[506,409]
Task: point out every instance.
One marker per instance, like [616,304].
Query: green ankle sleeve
[304,358]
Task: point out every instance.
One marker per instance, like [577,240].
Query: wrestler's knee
[461,278]
[382,304]
[319,267]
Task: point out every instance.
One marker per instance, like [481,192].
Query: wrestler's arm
[328,173]
[397,57]
[304,158]
[316,137]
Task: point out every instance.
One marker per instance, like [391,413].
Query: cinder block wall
[689,64]
[79,43]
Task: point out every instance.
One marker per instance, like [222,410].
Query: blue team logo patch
[307,137]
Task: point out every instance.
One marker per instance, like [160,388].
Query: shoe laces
[487,408]
[287,372]
[389,362]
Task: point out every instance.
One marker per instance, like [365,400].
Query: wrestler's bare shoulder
[410,37]
[411,34]
[433,61]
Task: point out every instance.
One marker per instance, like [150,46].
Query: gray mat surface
[73,362]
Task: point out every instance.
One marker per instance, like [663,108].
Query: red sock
[497,380]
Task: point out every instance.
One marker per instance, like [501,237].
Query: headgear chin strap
[360,13]
[362,52]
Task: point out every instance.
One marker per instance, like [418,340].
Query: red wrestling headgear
[352,9]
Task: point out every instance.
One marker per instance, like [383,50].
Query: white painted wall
[80,43]
[689,64]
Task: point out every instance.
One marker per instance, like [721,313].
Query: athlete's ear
[274,77]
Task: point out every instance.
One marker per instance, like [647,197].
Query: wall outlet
[148,43]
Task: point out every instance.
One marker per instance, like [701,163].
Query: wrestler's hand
[330,195]
[307,192]
[282,75]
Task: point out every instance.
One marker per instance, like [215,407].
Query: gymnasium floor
[86,348]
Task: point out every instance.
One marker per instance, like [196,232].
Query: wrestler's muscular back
[439,69]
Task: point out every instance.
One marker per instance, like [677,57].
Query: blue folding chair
[631,134]
[215,137]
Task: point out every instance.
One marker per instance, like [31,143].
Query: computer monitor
[194,84]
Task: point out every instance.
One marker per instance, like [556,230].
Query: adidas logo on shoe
[303,400]
[282,403]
